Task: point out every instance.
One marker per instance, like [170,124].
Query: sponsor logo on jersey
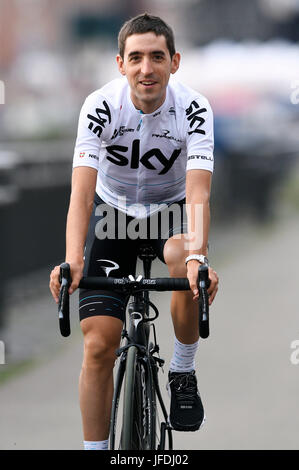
[196,121]
[98,122]
[92,155]
[172,111]
[117,155]
[164,134]
[121,131]
[201,157]
[108,265]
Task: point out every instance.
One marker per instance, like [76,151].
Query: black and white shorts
[112,245]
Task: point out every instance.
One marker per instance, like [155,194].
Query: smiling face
[147,65]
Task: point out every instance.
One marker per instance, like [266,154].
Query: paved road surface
[249,386]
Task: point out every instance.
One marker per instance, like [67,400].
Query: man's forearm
[76,228]
[198,186]
[198,214]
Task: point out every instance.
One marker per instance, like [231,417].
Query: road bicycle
[143,422]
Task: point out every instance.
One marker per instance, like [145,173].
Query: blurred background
[244,57]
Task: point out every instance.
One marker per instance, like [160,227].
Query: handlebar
[203,285]
[129,286]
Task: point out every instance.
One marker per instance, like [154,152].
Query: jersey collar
[156,113]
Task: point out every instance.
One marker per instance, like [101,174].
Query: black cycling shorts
[112,246]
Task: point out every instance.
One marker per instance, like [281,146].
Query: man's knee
[174,255]
[99,350]
[101,339]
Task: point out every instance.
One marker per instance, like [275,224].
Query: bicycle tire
[139,406]
[115,411]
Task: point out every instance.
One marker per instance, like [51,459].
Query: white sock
[183,359]
[96,445]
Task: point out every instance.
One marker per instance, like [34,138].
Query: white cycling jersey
[142,159]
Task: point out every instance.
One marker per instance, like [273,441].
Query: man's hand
[76,276]
[192,275]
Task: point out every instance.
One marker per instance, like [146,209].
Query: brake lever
[64,300]
[203,285]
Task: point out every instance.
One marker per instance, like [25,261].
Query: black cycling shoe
[186,409]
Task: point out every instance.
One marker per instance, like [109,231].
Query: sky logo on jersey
[194,118]
[116,156]
[100,119]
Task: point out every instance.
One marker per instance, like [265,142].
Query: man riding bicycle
[144,145]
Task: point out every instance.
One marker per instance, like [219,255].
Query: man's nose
[146,66]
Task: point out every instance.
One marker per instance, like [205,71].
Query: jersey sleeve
[200,135]
[94,120]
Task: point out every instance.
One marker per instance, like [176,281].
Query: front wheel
[139,406]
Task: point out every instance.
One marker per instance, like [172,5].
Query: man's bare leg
[101,339]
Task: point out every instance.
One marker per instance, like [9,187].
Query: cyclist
[144,145]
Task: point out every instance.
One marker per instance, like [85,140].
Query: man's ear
[175,62]
[120,64]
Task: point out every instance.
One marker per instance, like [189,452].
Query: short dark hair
[145,23]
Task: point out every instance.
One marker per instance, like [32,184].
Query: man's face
[147,65]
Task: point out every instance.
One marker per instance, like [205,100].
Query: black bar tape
[64,300]
[203,284]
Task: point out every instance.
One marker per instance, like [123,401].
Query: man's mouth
[147,83]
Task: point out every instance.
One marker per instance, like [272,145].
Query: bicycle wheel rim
[115,411]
